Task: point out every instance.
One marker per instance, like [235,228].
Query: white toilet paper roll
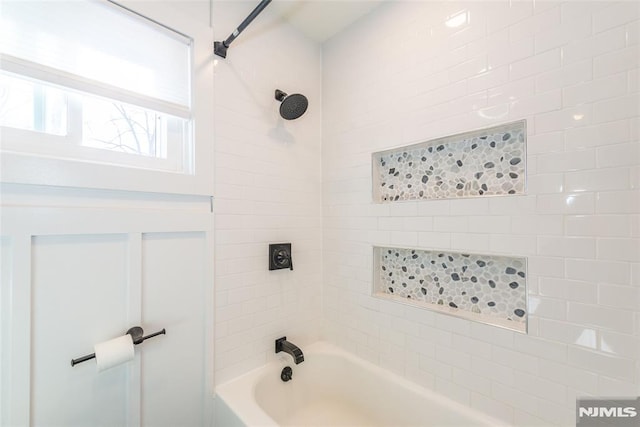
[114,352]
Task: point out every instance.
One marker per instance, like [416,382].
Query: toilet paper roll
[114,352]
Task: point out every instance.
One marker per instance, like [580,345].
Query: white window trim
[44,169]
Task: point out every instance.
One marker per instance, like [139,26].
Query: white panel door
[73,277]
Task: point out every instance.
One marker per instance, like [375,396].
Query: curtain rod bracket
[220,48]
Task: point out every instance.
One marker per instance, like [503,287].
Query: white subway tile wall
[267,188]
[401,76]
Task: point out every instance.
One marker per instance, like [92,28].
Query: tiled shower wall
[267,190]
[401,76]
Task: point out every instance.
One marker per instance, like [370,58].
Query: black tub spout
[283,345]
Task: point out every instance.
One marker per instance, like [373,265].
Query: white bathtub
[334,388]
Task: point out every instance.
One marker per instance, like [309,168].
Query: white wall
[83,266]
[267,190]
[400,76]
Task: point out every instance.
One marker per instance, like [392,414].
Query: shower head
[292,106]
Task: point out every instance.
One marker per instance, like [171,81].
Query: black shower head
[292,106]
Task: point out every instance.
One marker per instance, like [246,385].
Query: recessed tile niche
[480,163]
[486,288]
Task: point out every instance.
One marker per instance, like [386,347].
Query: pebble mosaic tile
[474,164]
[488,285]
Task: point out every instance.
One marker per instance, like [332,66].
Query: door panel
[5,279]
[70,279]
[172,299]
[79,284]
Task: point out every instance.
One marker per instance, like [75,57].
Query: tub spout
[283,345]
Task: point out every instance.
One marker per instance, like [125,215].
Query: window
[41,118]
[92,81]
[23,105]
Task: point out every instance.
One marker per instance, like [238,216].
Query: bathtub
[334,388]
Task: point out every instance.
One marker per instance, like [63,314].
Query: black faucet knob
[286,374]
[280,256]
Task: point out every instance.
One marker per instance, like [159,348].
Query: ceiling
[322,19]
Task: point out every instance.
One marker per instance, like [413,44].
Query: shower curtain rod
[220,48]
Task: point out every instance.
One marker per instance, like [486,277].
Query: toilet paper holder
[137,337]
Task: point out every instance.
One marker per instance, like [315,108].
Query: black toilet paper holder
[137,337]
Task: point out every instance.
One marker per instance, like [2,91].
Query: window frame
[70,146]
[44,168]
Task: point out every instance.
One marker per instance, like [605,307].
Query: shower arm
[220,48]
